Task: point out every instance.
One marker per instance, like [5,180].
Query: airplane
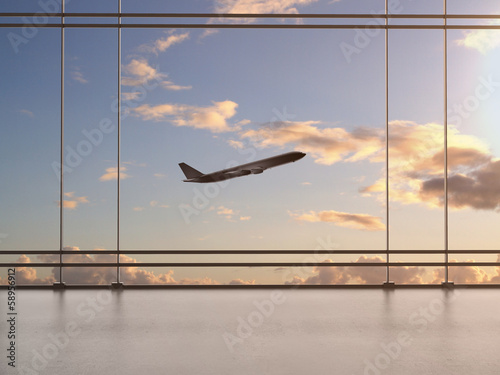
[255,167]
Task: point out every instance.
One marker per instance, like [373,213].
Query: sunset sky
[218,97]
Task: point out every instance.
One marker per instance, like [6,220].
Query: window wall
[393,103]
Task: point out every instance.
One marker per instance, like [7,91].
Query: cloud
[169,85]
[376,275]
[73,202]
[481,40]
[159,175]
[213,118]
[207,33]
[28,275]
[235,144]
[463,275]
[27,113]
[152,204]
[401,275]
[324,275]
[256,7]
[326,145]
[100,275]
[228,213]
[139,73]
[342,219]
[417,168]
[162,44]
[259,6]
[480,189]
[241,282]
[496,279]
[131,96]
[77,75]
[112,174]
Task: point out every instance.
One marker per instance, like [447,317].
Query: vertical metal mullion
[387,137]
[445,135]
[61,176]
[119,143]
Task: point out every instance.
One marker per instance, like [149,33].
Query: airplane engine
[257,171]
[243,172]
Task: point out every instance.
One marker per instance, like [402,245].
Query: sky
[213,98]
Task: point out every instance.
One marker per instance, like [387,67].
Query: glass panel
[476,7]
[90,20]
[91,6]
[416,141]
[30,141]
[90,137]
[415,275]
[322,275]
[474,274]
[419,7]
[325,275]
[262,7]
[416,258]
[223,103]
[89,275]
[34,6]
[199,276]
[474,146]
[160,6]
[29,27]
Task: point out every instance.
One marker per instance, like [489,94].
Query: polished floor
[258,331]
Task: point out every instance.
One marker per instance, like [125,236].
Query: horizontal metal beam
[257,286]
[254,264]
[239,252]
[250,15]
[248,26]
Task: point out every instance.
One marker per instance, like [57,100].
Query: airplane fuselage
[255,167]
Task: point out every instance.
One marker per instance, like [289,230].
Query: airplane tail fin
[189,172]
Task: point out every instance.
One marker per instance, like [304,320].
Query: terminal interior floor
[255,331]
